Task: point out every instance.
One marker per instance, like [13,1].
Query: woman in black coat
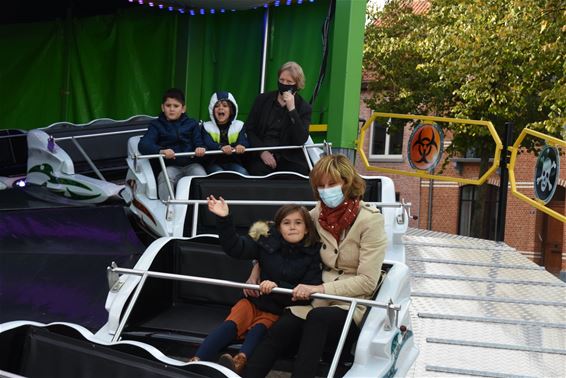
[280,118]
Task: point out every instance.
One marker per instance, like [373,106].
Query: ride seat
[144,171]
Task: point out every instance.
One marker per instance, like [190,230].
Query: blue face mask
[332,196]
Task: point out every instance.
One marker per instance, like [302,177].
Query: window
[470,210]
[386,140]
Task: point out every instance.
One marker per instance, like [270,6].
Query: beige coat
[353,268]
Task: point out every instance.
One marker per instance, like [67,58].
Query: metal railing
[326,146]
[94,135]
[392,309]
[197,203]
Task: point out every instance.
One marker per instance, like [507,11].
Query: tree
[498,60]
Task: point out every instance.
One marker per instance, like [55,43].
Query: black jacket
[295,128]
[285,264]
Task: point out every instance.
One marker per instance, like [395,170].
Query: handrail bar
[100,134]
[251,149]
[392,309]
[13,136]
[238,285]
[304,147]
[87,158]
[279,202]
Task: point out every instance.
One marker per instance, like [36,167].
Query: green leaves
[502,60]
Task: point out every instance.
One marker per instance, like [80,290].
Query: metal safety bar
[88,159]
[100,134]
[83,152]
[278,202]
[251,149]
[264,203]
[326,146]
[392,309]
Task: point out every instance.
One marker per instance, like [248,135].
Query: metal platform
[480,308]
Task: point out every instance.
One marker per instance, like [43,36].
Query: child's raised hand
[240,149]
[199,151]
[217,206]
[227,149]
[169,153]
[266,286]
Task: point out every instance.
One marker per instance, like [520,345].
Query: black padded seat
[60,351]
[189,308]
[232,186]
[108,152]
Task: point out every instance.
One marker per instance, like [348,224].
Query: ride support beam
[503,183]
[346,76]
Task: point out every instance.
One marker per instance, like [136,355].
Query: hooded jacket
[211,130]
[182,135]
[281,262]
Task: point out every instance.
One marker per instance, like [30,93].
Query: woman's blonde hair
[296,72]
[338,167]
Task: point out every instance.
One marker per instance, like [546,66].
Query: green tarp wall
[118,65]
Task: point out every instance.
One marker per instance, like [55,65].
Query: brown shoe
[240,361]
[227,361]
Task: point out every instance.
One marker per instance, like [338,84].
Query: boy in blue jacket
[224,132]
[173,132]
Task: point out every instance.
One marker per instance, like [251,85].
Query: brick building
[537,235]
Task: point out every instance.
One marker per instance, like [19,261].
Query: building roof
[481,308]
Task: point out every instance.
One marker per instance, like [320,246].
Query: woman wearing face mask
[353,248]
[279,118]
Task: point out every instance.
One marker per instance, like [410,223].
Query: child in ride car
[173,132]
[288,253]
[224,132]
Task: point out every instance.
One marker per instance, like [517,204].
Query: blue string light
[202,11]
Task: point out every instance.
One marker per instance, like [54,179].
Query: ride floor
[53,257]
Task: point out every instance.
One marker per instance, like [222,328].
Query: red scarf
[340,218]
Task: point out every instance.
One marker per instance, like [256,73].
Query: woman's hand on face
[169,153]
[240,149]
[217,206]
[302,292]
[266,286]
[254,280]
[268,159]
[289,99]
[227,149]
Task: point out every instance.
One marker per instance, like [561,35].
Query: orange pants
[246,315]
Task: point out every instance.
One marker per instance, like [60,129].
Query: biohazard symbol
[425,146]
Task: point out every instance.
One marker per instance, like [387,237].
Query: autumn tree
[497,60]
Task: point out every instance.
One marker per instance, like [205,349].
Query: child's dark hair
[174,93]
[312,236]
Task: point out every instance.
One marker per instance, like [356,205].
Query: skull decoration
[546,173]
[544,180]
